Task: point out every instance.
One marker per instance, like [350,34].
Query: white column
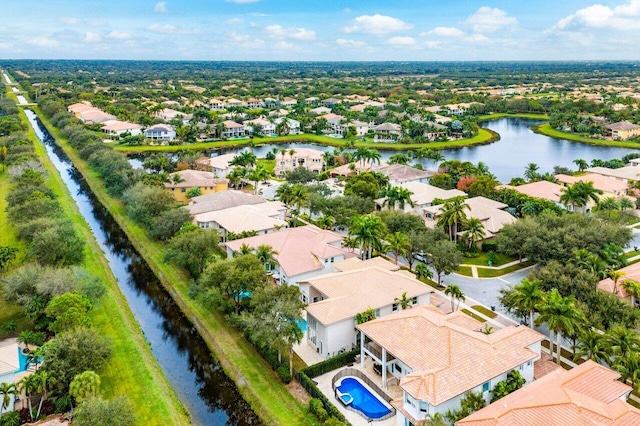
[362,355]
[384,368]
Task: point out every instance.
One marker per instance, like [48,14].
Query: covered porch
[385,366]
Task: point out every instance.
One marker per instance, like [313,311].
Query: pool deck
[324,384]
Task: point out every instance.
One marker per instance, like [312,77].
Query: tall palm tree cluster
[579,195]
[453,217]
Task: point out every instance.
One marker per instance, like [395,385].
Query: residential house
[627,174]
[491,213]
[310,159]
[329,102]
[160,132]
[289,102]
[293,126]
[436,131]
[542,189]
[312,101]
[303,252]
[441,119]
[169,114]
[387,132]
[181,182]
[422,196]
[623,130]
[271,103]
[216,104]
[234,103]
[220,165]
[356,167]
[588,394]
[400,173]
[335,122]
[254,103]
[438,358]
[117,128]
[609,187]
[233,130]
[222,200]
[320,110]
[361,127]
[96,116]
[632,273]
[262,218]
[9,367]
[336,299]
[267,127]
[459,109]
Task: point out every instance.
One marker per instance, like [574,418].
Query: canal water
[197,378]
[507,158]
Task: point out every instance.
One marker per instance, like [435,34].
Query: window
[485,387]
[183,189]
[397,368]
[414,300]
[394,307]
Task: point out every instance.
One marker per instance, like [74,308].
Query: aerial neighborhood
[379,247]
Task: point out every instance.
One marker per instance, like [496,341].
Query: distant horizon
[293,61]
[321,31]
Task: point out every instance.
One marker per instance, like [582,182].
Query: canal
[196,377]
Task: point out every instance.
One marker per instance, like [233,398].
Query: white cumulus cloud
[377,25]
[401,41]
[622,17]
[161,7]
[246,41]
[348,42]
[489,20]
[444,32]
[43,42]
[279,32]
[91,37]
[169,29]
[117,35]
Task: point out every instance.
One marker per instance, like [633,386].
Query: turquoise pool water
[363,400]
[302,325]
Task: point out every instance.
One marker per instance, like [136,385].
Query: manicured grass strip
[256,381]
[484,136]
[132,371]
[472,315]
[497,115]
[482,260]
[492,273]
[269,165]
[631,254]
[547,130]
[484,311]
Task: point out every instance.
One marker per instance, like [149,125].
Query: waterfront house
[308,158]
[336,299]
[542,189]
[609,187]
[400,173]
[303,252]
[623,130]
[169,114]
[627,174]
[355,167]
[181,182]
[438,358]
[160,132]
[387,132]
[222,200]
[293,126]
[233,130]
[266,127]
[589,394]
[116,128]
[262,218]
[215,104]
[422,196]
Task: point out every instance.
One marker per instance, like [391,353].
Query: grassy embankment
[496,115]
[484,136]
[547,130]
[132,370]
[255,379]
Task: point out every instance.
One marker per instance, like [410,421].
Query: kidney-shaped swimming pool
[358,396]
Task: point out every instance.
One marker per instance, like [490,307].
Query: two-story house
[308,158]
[160,132]
[438,358]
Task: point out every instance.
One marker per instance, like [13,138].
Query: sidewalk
[474,268]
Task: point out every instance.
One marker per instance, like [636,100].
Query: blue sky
[321,29]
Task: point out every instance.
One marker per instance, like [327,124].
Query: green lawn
[270,165]
[547,130]
[482,260]
[472,315]
[492,273]
[483,310]
[484,136]
[256,381]
[132,371]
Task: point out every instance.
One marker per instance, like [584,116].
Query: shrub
[317,409]
[283,373]
[489,246]
[331,364]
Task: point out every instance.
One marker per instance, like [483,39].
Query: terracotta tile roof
[490,213]
[257,217]
[222,200]
[622,125]
[192,178]
[627,172]
[296,247]
[541,189]
[356,263]
[600,182]
[400,173]
[355,291]
[121,125]
[544,366]
[589,394]
[446,356]
[631,272]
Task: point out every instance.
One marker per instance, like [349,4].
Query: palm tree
[244,249]
[615,276]
[626,204]
[562,316]
[455,293]
[620,341]
[628,367]
[582,164]
[437,157]
[30,385]
[283,127]
[531,172]
[258,174]
[299,196]
[397,195]
[245,159]
[399,244]
[579,194]
[7,390]
[399,158]
[529,208]
[84,385]
[528,297]
[632,288]
[45,381]
[421,154]
[422,271]
[326,222]
[266,254]
[609,204]
[474,231]
[452,214]
[403,302]
[590,345]
[367,231]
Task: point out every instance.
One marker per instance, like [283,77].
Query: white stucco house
[115,128]
[9,367]
[262,218]
[438,358]
[337,298]
[160,132]
[304,252]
